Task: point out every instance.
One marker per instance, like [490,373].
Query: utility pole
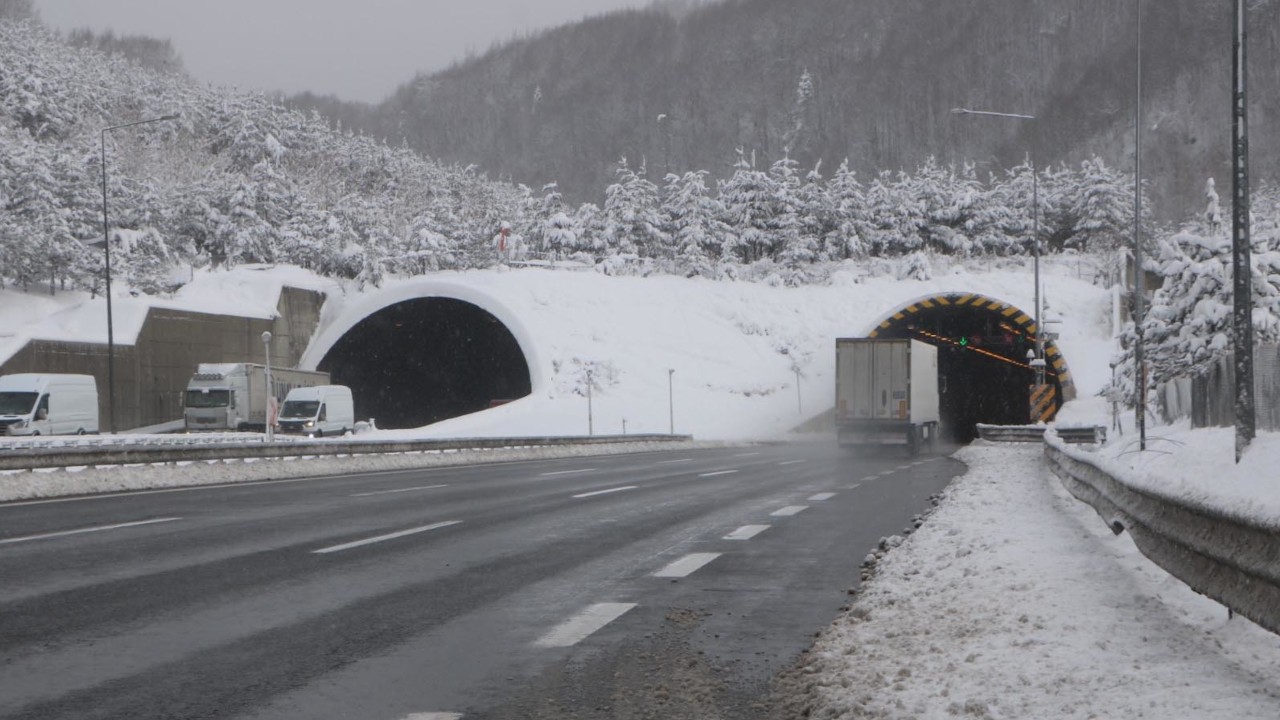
[671,400]
[1139,279]
[1242,315]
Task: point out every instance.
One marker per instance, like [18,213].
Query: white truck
[48,404]
[318,411]
[886,393]
[233,396]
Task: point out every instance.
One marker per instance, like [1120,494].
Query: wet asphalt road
[660,584]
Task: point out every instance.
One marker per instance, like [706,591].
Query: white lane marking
[792,462]
[903,467]
[686,565]
[388,536]
[567,472]
[606,492]
[398,490]
[718,472]
[789,510]
[671,462]
[888,472]
[100,528]
[579,627]
[746,532]
[868,478]
[434,716]
[820,497]
[750,454]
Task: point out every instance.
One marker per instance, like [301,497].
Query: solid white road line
[746,532]
[399,490]
[718,472]
[792,462]
[388,536]
[434,716]
[789,510]
[820,497]
[672,462]
[686,565]
[579,627]
[606,492]
[100,528]
[567,472]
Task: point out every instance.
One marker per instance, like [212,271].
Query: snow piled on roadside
[1015,601]
[1198,467]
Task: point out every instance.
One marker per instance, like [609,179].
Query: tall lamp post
[106,248]
[271,395]
[671,399]
[1038,362]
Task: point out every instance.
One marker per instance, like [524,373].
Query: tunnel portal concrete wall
[152,373]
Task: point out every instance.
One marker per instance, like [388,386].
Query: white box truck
[886,392]
[233,396]
[48,404]
[318,411]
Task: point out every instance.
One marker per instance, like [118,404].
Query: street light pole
[671,400]
[271,395]
[1139,278]
[106,248]
[590,419]
[1035,233]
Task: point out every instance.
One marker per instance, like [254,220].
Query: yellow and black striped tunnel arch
[1053,356]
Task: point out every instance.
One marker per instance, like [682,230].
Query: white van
[318,411]
[48,404]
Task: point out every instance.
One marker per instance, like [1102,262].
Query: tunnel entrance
[983,370]
[428,359]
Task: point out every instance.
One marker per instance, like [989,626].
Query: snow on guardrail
[1230,557]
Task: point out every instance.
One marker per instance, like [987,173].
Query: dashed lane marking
[686,565]
[434,716]
[750,454]
[789,510]
[903,467]
[868,478]
[672,462]
[820,497]
[718,472]
[398,490]
[567,472]
[605,492]
[792,462]
[746,532]
[888,472]
[581,626]
[388,536]
[79,531]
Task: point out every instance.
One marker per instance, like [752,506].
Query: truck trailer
[233,396]
[886,393]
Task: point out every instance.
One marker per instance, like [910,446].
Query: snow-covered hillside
[735,347]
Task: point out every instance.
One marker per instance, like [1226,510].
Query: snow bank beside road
[1013,601]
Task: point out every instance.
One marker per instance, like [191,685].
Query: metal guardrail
[1092,435]
[1234,560]
[37,459]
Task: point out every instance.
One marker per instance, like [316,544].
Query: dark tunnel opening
[983,373]
[425,360]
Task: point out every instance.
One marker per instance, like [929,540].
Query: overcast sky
[355,49]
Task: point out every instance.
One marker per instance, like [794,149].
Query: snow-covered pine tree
[693,222]
[632,218]
[749,198]
[852,225]
[1102,201]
